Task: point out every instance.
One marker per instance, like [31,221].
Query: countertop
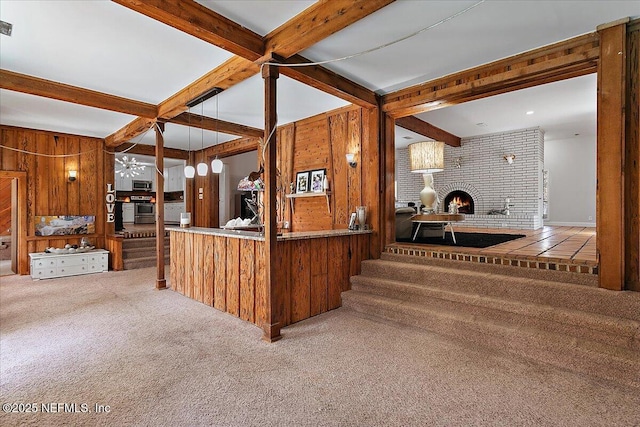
[254,235]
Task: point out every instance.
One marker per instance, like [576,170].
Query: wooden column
[371,190]
[272,325]
[632,159]
[161,281]
[387,134]
[610,156]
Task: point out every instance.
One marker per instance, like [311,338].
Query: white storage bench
[48,265]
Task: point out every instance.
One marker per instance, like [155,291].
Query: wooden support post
[161,281]
[610,157]
[271,327]
[632,159]
[387,134]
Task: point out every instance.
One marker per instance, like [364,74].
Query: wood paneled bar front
[225,270]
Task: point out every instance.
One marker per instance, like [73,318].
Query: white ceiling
[106,47]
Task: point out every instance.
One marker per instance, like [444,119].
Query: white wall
[572,181]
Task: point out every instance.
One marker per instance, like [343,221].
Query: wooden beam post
[632,159]
[610,202]
[387,134]
[272,326]
[161,281]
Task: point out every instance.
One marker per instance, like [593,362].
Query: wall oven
[144,210]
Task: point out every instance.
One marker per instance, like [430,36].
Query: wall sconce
[351,159]
[510,158]
[457,162]
[73,175]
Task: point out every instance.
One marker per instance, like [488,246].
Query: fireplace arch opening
[462,199]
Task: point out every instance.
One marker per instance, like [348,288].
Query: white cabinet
[172,212]
[128,212]
[123,183]
[174,179]
[46,266]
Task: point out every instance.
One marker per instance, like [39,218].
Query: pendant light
[216,164]
[189,171]
[202,166]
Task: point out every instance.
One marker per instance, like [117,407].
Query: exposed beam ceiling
[570,58]
[208,123]
[423,128]
[192,18]
[205,24]
[149,150]
[317,22]
[77,95]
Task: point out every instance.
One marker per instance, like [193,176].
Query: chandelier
[129,167]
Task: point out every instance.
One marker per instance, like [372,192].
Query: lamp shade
[426,157]
[202,169]
[189,171]
[216,165]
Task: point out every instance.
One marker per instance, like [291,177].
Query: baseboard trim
[570,224]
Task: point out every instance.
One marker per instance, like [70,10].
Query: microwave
[141,185]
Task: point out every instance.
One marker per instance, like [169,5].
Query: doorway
[8,226]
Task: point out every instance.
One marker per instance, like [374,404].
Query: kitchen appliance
[141,185]
[144,210]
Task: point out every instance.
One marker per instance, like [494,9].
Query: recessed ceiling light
[529,113]
[481,124]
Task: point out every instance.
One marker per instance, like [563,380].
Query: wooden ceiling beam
[317,22]
[197,20]
[559,61]
[329,82]
[150,150]
[208,123]
[423,128]
[49,89]
[130,131]
[229,73]
[232,148]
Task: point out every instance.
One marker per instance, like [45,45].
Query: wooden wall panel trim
[247,280]
[220,268]
[336,270]
[300,280]
[371,177]
[262,292]
[233,277]
[610,152]
[284,278]
[319,275]
[209,270]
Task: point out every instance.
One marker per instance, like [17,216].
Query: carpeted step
[538,274]
[615,332]
[509,287]
[580,355]
[132,264]
[141,252]
[142,242]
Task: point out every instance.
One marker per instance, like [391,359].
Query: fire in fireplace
[462,199]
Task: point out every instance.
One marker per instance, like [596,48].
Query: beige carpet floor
[158,358]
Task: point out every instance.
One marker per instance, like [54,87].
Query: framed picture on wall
[317,179]
[302,182]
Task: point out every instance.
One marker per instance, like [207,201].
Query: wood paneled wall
[312,273]
[48,190]
[322,142]
[5,206]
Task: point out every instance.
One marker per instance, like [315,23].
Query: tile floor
[554,248]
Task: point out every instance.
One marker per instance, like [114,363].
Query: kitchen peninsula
[313,269]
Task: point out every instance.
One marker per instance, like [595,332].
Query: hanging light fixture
[216,164]
[202,166]
[189,171]
[129,167]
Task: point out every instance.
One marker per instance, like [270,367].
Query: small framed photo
[317,180]
[302,182]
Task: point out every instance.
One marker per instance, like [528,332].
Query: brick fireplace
[486,178]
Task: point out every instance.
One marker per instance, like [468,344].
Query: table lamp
[427,157]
